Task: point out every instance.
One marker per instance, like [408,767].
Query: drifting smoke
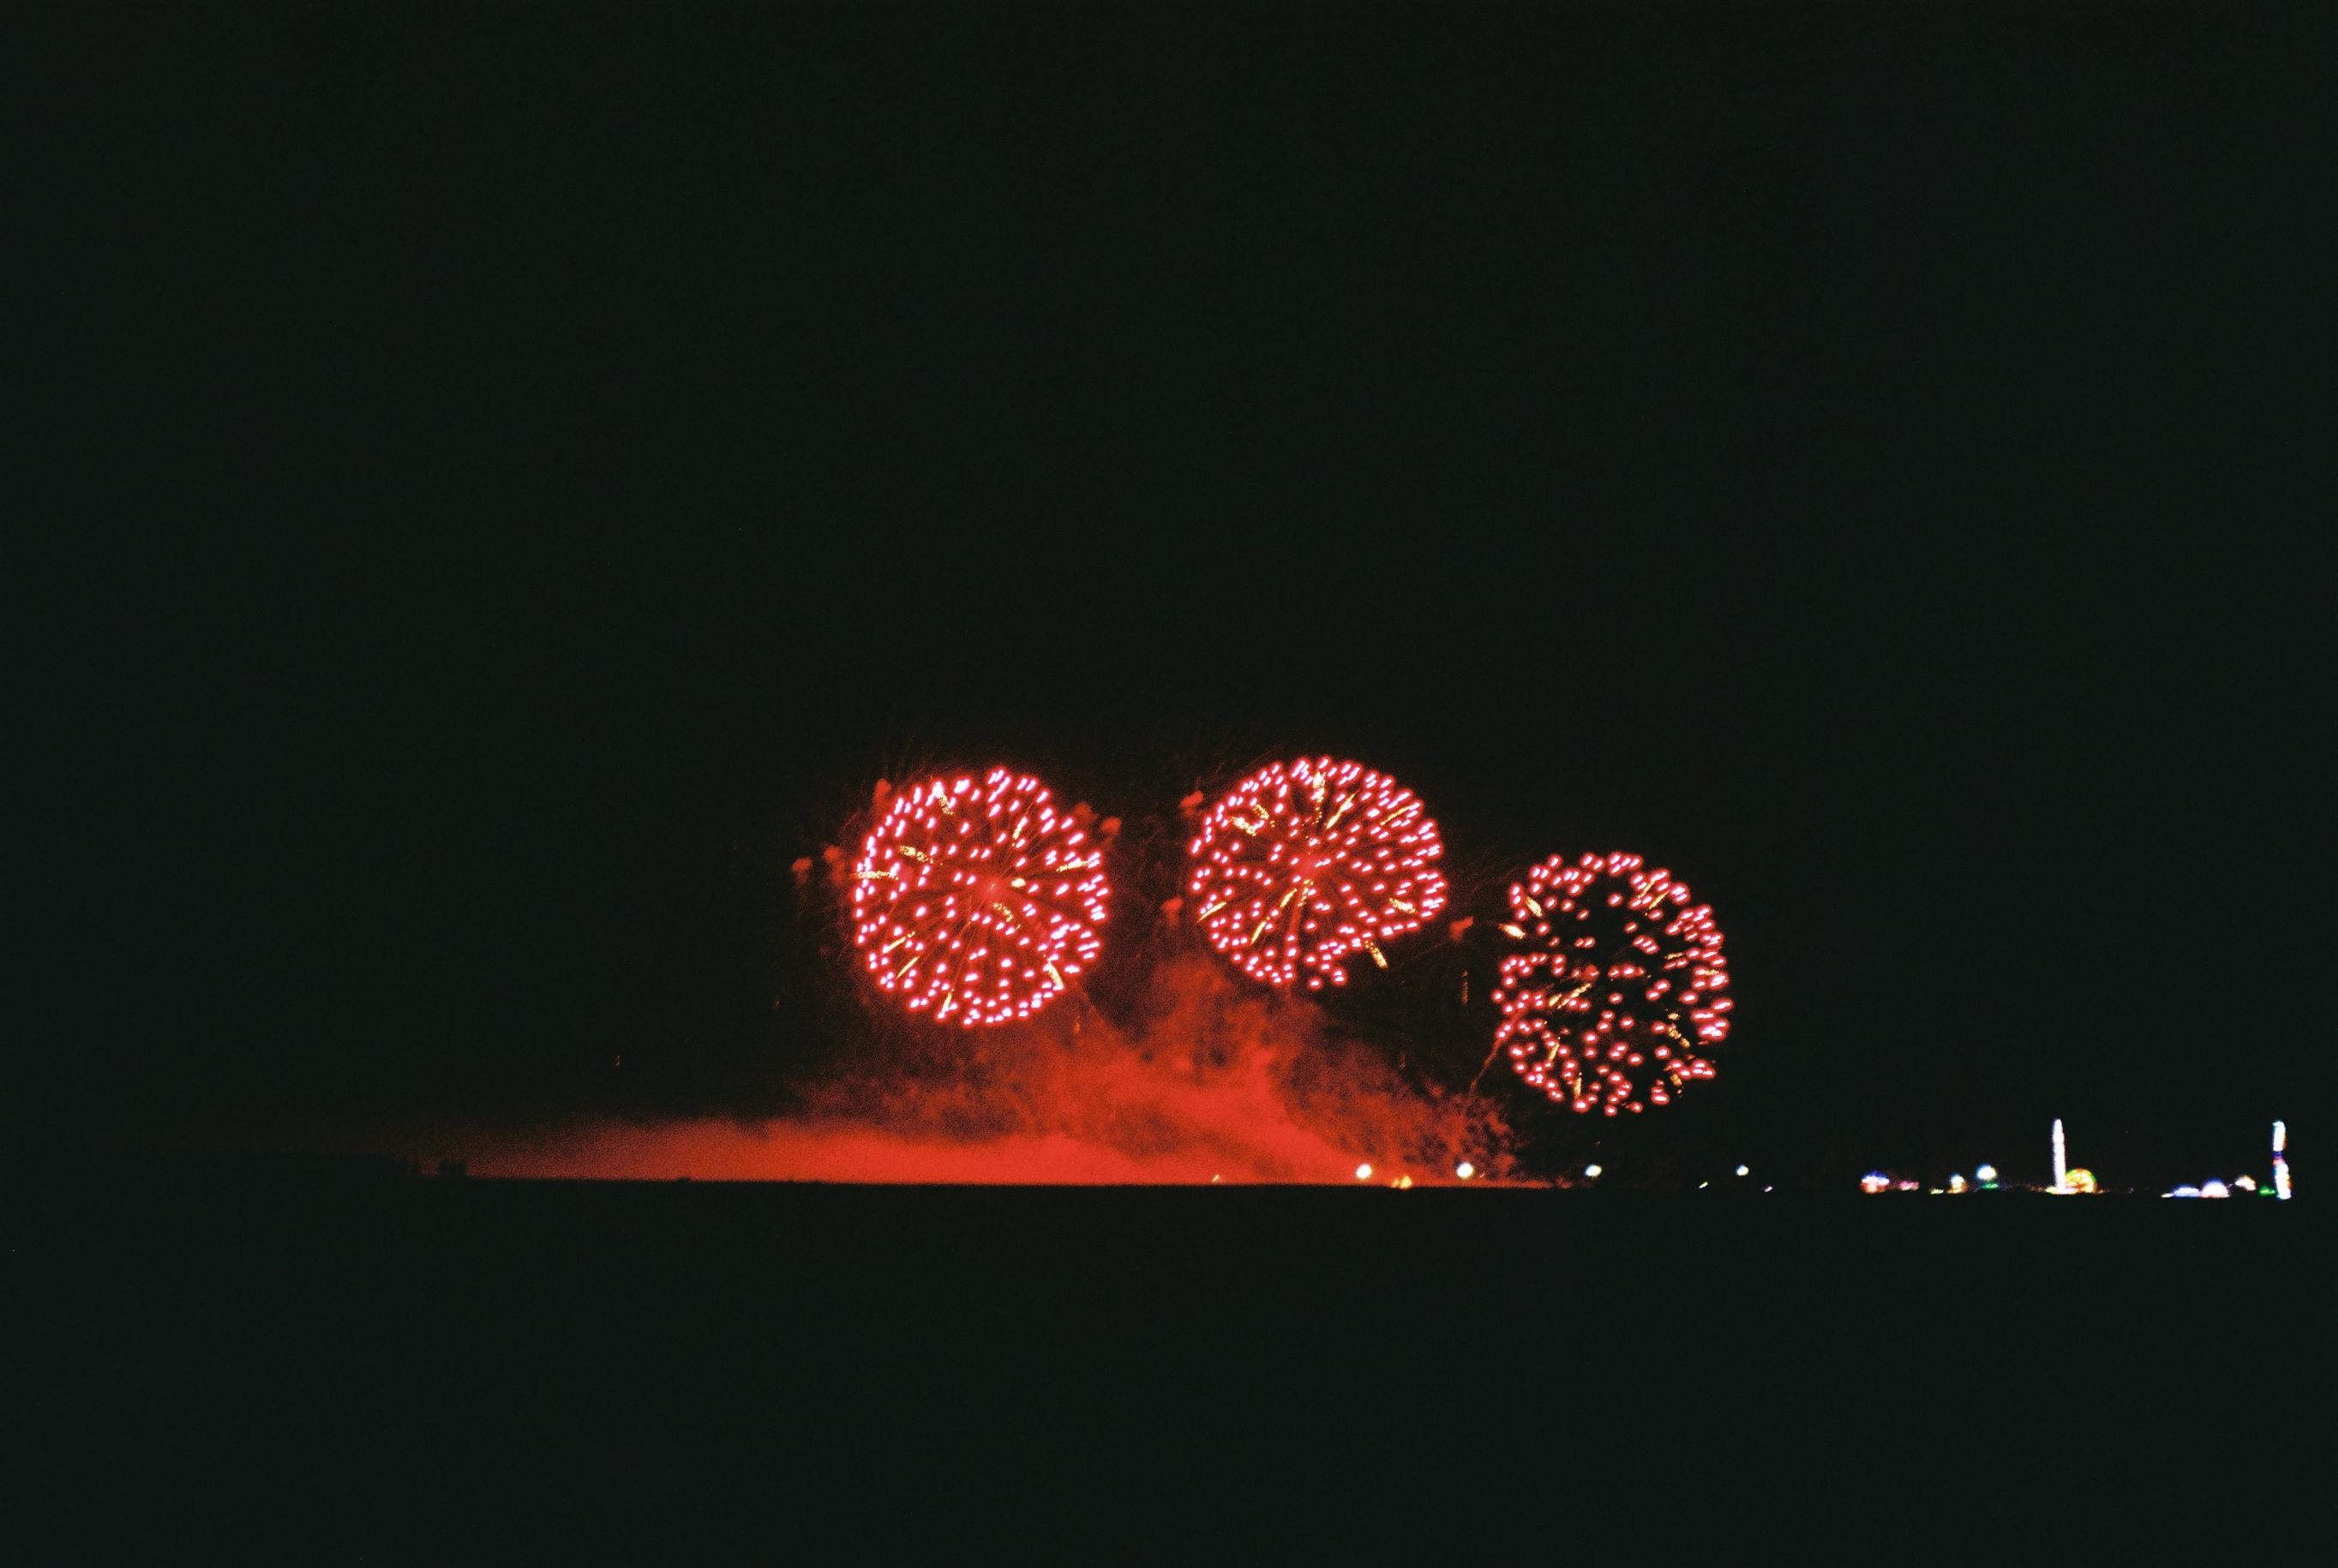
[1163,1066]
[1220,1080]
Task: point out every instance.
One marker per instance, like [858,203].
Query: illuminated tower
[2061,1176]
[2280,1160]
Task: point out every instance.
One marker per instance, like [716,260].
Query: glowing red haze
[1225,1084]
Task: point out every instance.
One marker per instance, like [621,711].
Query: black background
[492,485]
[332,1368]
[498,483]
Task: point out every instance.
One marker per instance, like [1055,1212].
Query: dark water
[347,1368]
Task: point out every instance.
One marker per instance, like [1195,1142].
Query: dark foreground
[464,1371]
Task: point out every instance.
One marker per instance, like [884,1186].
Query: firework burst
[1615,986]
[1301,865]
[975,901]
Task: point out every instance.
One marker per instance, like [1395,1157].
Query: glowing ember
[1301,865]
[976,901]
[1616,990]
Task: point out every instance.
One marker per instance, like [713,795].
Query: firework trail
[1612,991]
[975,901]
[1301,865]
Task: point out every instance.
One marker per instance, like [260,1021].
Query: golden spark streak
[1513,932]
[911,852]
[1333,820]
[1211,910]
[1257,932]
[1287,897]
[1054,974]
[897,941]
[888,875]
[1532,907]
[1400,903]
[1373,948]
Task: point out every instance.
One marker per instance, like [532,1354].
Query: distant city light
[2186,1192]
[1985,1173]
[1955,1184]
[1465,1169]
[1874,1181]
[1591,1169]
[2246,1184]
[2214,1189]
[1363,1172]
[2280,1137]
[1402,1183]
[2082,1179]
[1746,1170]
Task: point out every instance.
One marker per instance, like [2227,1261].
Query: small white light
[1465,1169]
[2214,1189]
[1363,1172]
[1986,1174]
[1591,1169]
[1746,1170]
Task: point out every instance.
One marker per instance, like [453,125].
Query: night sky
[498,483]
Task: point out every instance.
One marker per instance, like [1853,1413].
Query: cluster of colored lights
[975,901]
[1301,865]
[1615,986]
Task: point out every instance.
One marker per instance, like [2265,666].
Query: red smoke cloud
[1224,1081]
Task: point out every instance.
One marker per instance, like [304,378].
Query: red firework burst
[975,900]
[1618,988]
[1301,865]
